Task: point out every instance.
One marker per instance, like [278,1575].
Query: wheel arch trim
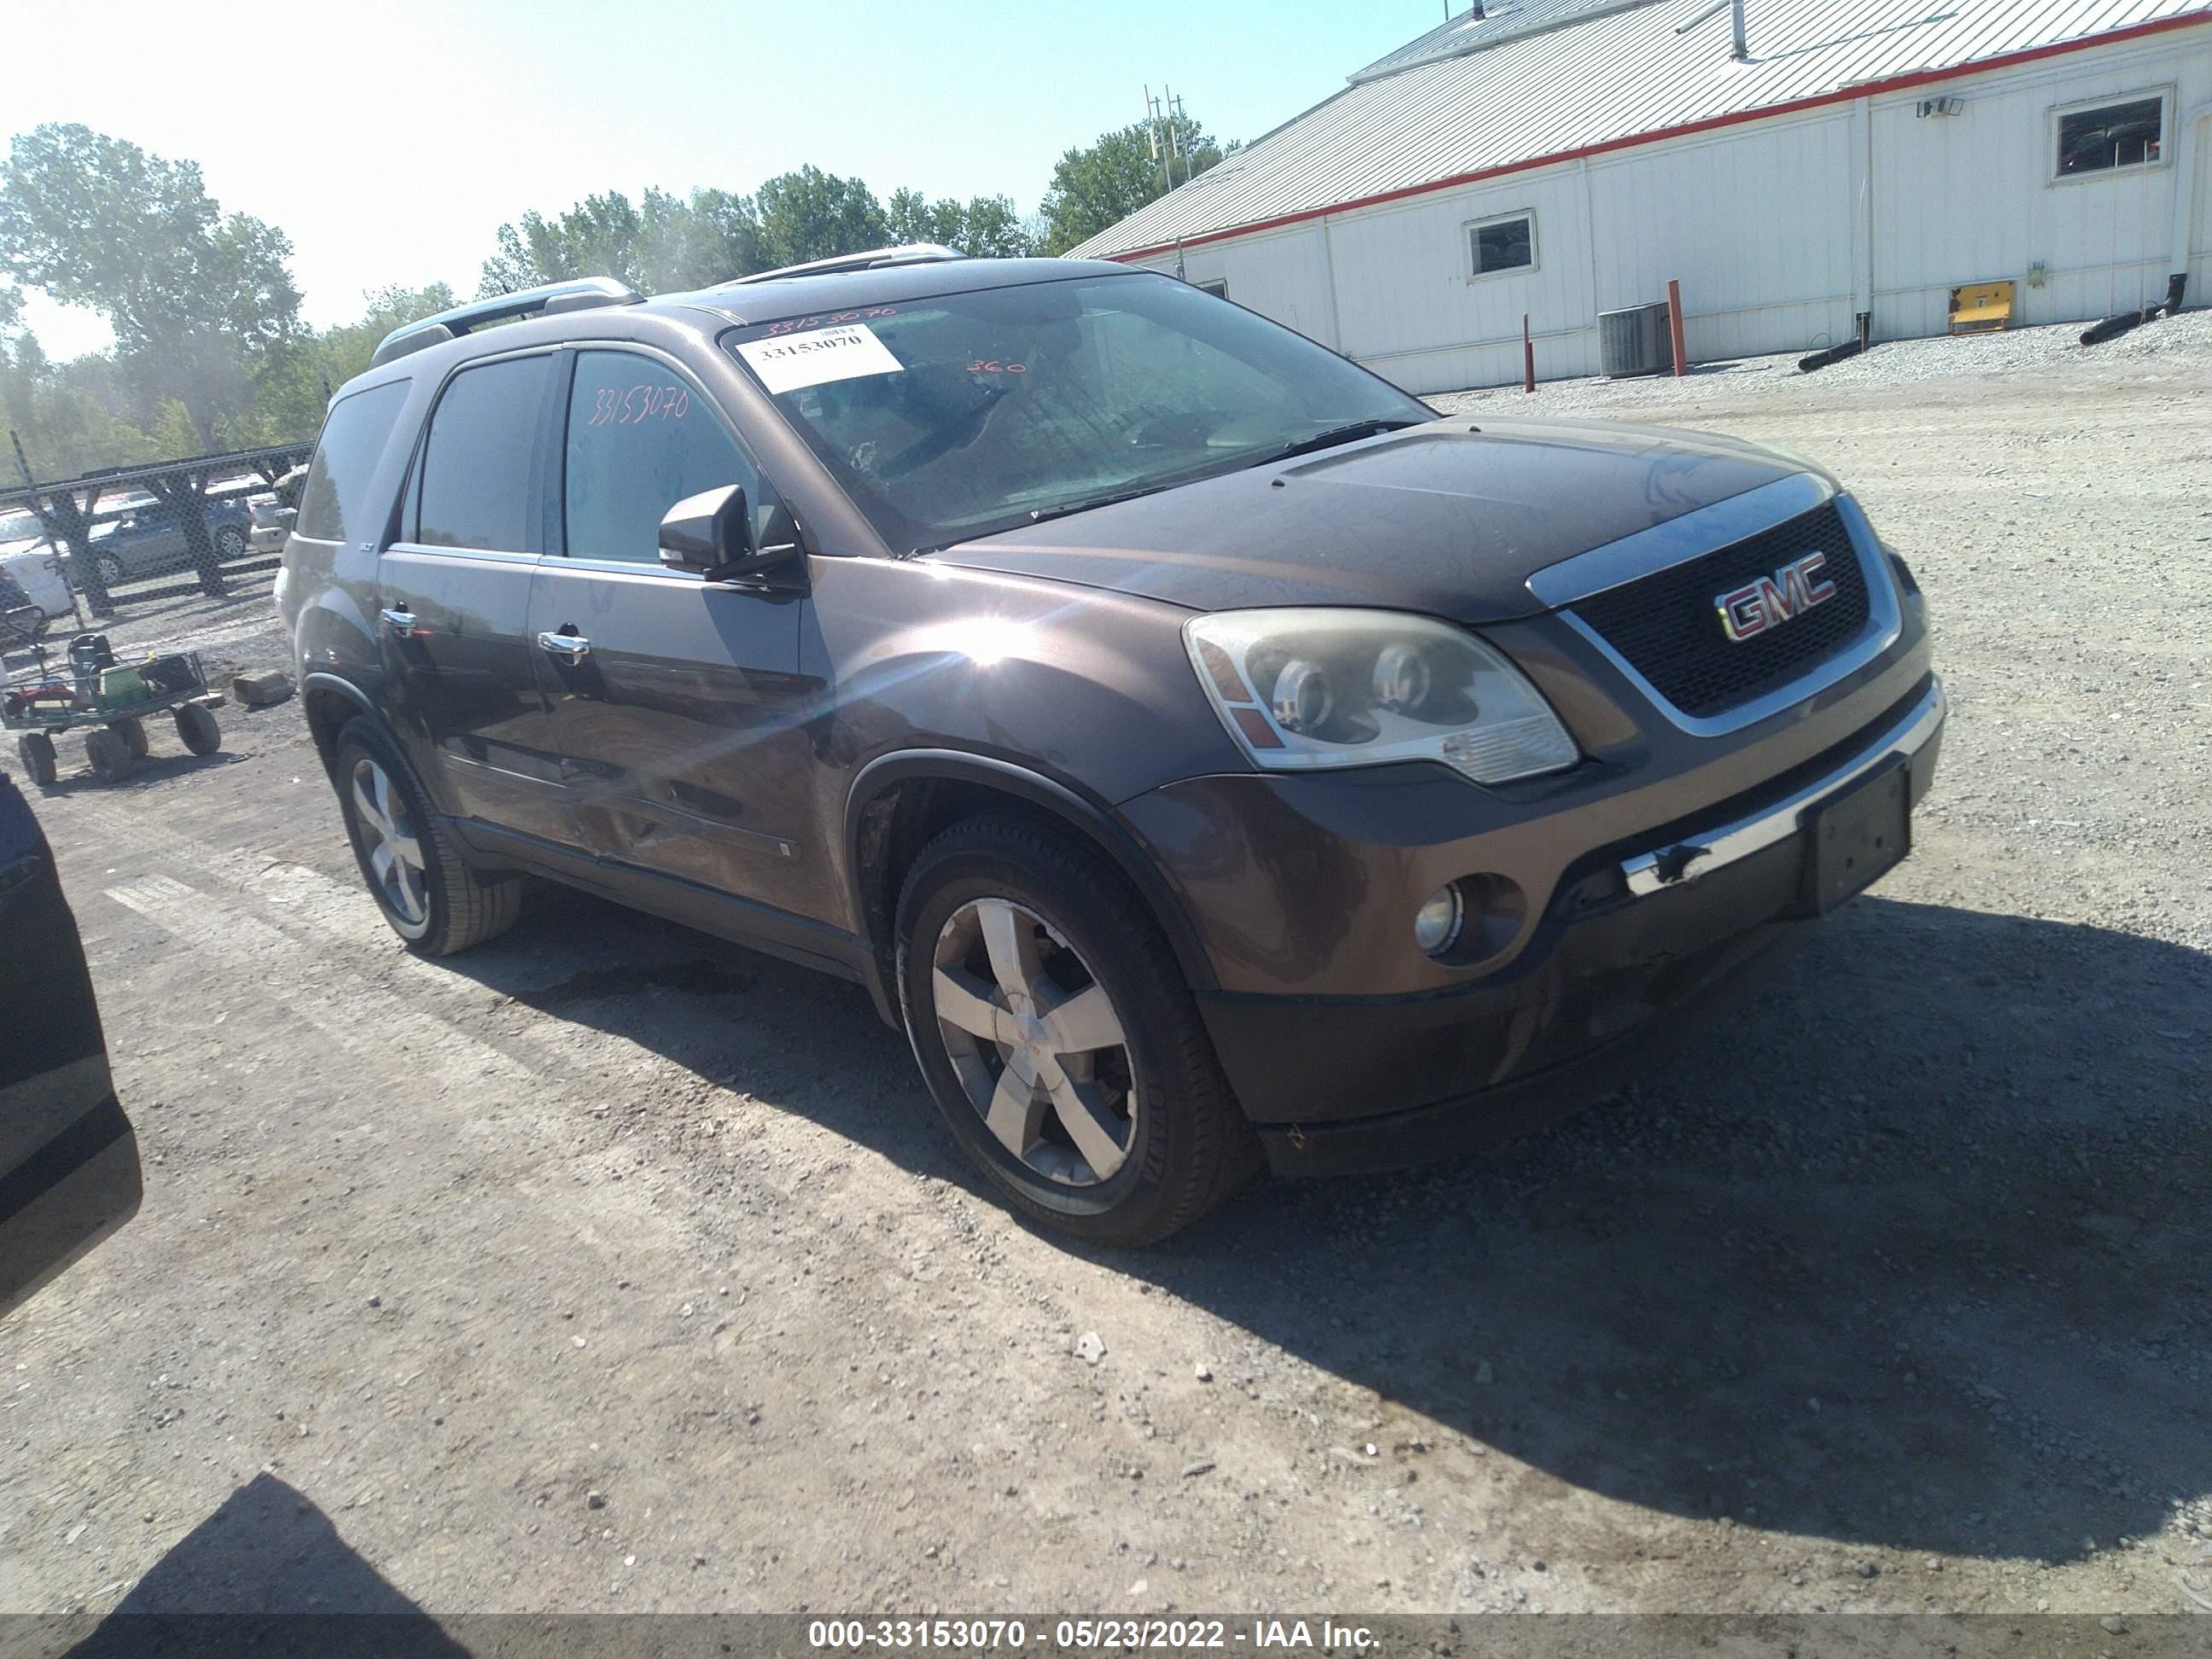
[324,684]
[1094,822]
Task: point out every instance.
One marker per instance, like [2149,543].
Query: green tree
[721,241]
[196,298]
[1102,183]
[990,228]
[813,215]
[986,227]
[295,386]
[659,245]
[61,413]
[913,217]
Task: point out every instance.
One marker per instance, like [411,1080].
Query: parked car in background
[20,532]
[32,578]
[68,1158]
[273,514]
[151,542]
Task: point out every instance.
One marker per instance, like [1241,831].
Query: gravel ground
[610,1267]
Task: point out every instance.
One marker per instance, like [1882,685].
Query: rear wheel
[197,729]
[229,543]
[431,897]
[109,754]
[134,734]
[110,569]
[36,751]
[1053,1025]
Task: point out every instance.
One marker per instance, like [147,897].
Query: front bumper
[1635,939]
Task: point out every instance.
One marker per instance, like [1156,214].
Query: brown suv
[1204,753]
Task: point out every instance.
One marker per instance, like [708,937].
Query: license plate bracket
[1857,837]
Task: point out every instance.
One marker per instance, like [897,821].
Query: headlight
[1302,689]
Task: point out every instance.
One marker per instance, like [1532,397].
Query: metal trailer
[110,701]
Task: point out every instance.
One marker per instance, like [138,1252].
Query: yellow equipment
[1978,307]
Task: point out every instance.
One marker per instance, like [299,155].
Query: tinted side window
[639,440]
[354,435]
[477,483]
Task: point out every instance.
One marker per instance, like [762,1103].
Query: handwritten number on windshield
[794,324]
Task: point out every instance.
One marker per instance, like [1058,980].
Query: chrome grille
[1667,627]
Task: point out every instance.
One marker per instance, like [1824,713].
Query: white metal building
[1561,158]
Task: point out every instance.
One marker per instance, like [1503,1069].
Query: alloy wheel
[1036,1041]
[389,842]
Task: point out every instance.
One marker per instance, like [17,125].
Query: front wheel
[110,569]
[229,544]
[36,751]
[134,734]
[1055,1030]
[429,896]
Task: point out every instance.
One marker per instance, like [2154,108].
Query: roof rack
[581,295]
[912,254]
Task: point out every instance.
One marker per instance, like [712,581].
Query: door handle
[566,646]
[401,621]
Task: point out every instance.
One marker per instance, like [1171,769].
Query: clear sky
[389,141]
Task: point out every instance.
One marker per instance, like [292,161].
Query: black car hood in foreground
[1450,518]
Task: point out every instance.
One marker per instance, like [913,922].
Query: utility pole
[1152,135]
[1163,116]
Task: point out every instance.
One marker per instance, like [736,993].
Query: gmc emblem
[1772,600]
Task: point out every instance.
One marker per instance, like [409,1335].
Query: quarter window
[479,485]
[1506,244]
[2110,136]
[354,436]
[639,440]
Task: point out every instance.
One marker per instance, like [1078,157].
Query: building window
[1218,288]
[2106,136]
[1503,244]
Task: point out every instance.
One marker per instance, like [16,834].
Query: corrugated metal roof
[1519,87]
[1497,23]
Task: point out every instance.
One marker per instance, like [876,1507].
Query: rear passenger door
[453,599]
[676,702]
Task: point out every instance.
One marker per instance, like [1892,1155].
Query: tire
[36,751]
[134,734]
[197,729]
[229,543]
[110,570]
[1161,1118]
[438,905]
[109,754]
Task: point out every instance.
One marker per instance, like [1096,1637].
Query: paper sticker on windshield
[792,361]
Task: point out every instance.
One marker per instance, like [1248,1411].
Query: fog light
[1436,923]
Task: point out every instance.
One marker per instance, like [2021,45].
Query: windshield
[957,416]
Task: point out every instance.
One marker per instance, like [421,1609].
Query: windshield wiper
[1336,436]
[1038,515]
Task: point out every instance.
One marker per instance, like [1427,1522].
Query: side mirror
[710,535]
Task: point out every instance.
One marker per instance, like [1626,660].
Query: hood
[1450,518]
